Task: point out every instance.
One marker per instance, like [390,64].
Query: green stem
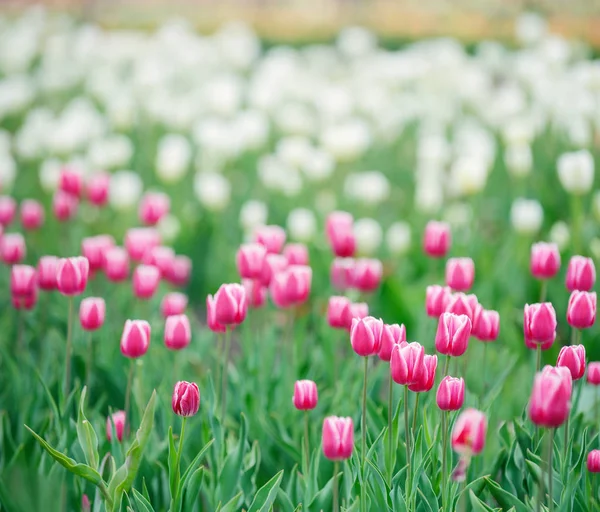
[224,375]
[577,218]
[363,492]
[407,435]
[538,361]
[463,496]
[597,407]
[550,471]
[484,365]
[336,497]
[306,445]
[447,366]
[20,321]
[89,364]
[415,412]
[444,455]
[68,350]
[106,495]
[128,393]
[566,445]
[390,430]
[543,290]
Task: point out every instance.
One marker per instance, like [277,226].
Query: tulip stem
[543,290]
[128,392]
[414,421]
[538,362]
[550,471]
[184,419]
[447,366]
[485,383]
[20,320]
[89,363]
[566,444]
[306,445]
[407,435]
[444,453]
[336,497]
[363,491]
[597,407]
[224,375]
[391,430]
[68,350]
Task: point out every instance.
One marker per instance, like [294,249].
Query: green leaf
[192,489]
[88,440]
[194,464]
[504,498]
[265,497]
[141,502]
[173,466]
[229,478]
[380,489]
[233,505]
[477,505]
[284,501]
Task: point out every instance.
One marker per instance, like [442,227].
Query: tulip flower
[427,377]
[407,363]
[354,310]
[461,304]
[391,335]
[366,336]
[230,304]
[488,325]
[162,258]
[452,337]
[97,188]
[550,400]
[593,461]
[8,208]
[539,325]
[250,259]
[340,233]
[305,395]
[296,254]
[469,432]
[146,279]
[153,207]
[181,269]
[291,287]
[178,332]
[256,293]
[436,300]
[581,311]
[545,260]
[173,303]
[71,181]
[186,399]
[64,206]
[46,272]
[460,273]
[211,316]
[72,275]
[450,395]
[593,373]
[116,264]
[23,289]
[338,443]
[138,241]
[117,420]
[271,237]
[581,274]
[437,239]
[572,357]
[32,214]
[341,273]
[272,264]
[93,248]
[12,248]
[367,274]
[135,339]
[335,311]
[91,313]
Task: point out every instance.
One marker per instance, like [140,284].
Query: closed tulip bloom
[12,248]
[488,325]
[550,400]
[437,239]
[186,399]
[178,332]
[436,300]
[146,279]
[341,273]
[338,221]
[271,237]
[545,260]
[211,316]
[391,335]
[140,240]
[335,311]
[450,394]
[91,313]
[365,335]
[32,214]
[354,310]
[272,264]
[427,380]
[46,272]
[573,358]
[181,270]
[468,434]
[8,208]
[461,304]
[367,274]
[135,339]
[539,325]
[460,273]
[162,258]
[338,438]
[153,207]
[72,275]
[116,264]
[250,259]
[343,243]
[26,302]
[116,421]
[173,303]
[86,506]
[97,188]
[64,206]
[296,254]
[94,248]
[593,461]
[452,337]
[230,304]
[581,312]
[581,274]
[71,181]
[23,286]
[593,373]
[292,286]
[305,395]
[407,363]
[256,293]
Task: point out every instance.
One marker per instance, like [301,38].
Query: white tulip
[213,190]
[173,158]
[526,216]
[468,176]
[518,159]
[369,235]
[8,169]
[50,174]
[368,187]
[560,235]
[169,228]
[109,153]
[125,190]
[319,165]
[253,213]
[530,28]
[429,197]
[301,225]
[347,141]
[294,151]
[576,171]
[398,238]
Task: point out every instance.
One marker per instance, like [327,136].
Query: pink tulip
[305,395]
[97,188]
[8,208]
[450,394]
[539,325]
[341,273]
[230,304]
[12,248]
[72,275]
[91,313]
[250,259]
[296,254]
[46,272]
[173,303]
[64,206]
[468,434]
[135,339]
[86,506]
[338,221]
[256,293]
[437,239]
[153,207]
[407,364]
[581,274]
[593,461]
[272,264]
[271,237]
[94,248]
[118,420]
[593,373]
[23,286]
[162,258]
[146,279]
[452,337]
[354,310]
[335,311]
[32,214]
[581,312]
[211,316]
[26,302]
[181,269]
[186,399]
[291,287]
[340,233]
[488,325]
[436,299]
[367,274]
[460,274]
[71,181]
[391,335]
[116,264]
[365,335]
[573,358]
[461,304]
[178,332]
[550,400]
[338,438]
[427,380]
[545,260]
[138,241]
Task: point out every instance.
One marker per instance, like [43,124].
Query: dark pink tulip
[32,214]
[25,302]
[162,258]
[291,287]
[271,237]
[138,241]
[460,274]
[581,312]
[23,286]
[116,264]
[335,311]
[135,339]
[468,434]
[338,438]
[407,363]
[573,358]
[539,325]
[118,420]
[305,395]
[97,188]
[341,273]
[178,332]
[91,313]
[436,299]
[211,316]
[427,380]
[153,207]
[94,248]
[581,274]
[340,233]
[71,181]
[72,275]
[452,337]
[488,325]
[338,221]
[437,239]
[593,373]
[391,335]
[550,400]
[365,335]
[250,259]
[256,293]
[181,270]
[367,274]
[8,208]
[64,206]
[272,264]
[12,248]
[354,310]
[186,399]
[230,304]
[461,304]
[46,272]
[450,394]
[545,260]
[86,506]
[173,303]
[296,254]
[146,279]
[593,461]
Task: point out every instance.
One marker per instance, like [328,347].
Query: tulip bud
[573,358]
[576,171]
[407,363]
[452,337]
[427,378]
[32,214]
[186,399]
[488,325]
[291,287]
[365,336]
[230,304]
[86,506]
[460,273]
[173,303]
[296,254]
[12,248]
[550,400]
[91,313]
[468,434]
[94,248]
[160,257]
[338,438]
[354,310]
[450,394]
[70,181]
[539,325]
[250,259]
[181,269]
[391,335]
[46,272]
[116,264]
[256,293]
[581,274]
[23,286]
[337,221]
[178,332]
[153,207]
[305,395]
[593,461]
[271,237]
[581,311]
[436,300]
[335,311]
[341,273]
[461,304]
[272,264]
[116,421]
[367,274]
[64,206]
[437,239]
[72,275]
[140,240]
[340,233]
[211,316]
[545,260]
[135,339]
[146,279]
[97,189]
[593,373]
[8,208]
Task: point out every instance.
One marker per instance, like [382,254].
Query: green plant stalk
[407,435]
[178,461]
[363,491]
[20,321]
[224,375]
[306,445]
[415,412]
[336,490]
[540,497]
[444,455]
[447,366]
[597,407]
[390,429]
[484,365]
[68,350]
[566,446]
[544,290]
[577,218]
[538,360]
[128,393]
[550,472]
[89,362]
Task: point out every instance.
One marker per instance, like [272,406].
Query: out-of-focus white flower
[212,189]
[295,119]
[397,238]
[238,44]
[276,175]
[110,152]
[125,190]
[173,157]
[318,166]
[595,248]
[526,216]
[252,127]
[169,228]
[369,187]
[458,214]
[433,149]
[5,139]
[301,225]
[347,141]
[560,235]
[369,235]
[50,174]
[8,169]
[468,176]
[518,159]
[16,93]
[294,151]
[356,41]
[325,201]
[121,110]
[518,131]
[224,95]
[530,28]
[253,213]
[576,171]
[429,196]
